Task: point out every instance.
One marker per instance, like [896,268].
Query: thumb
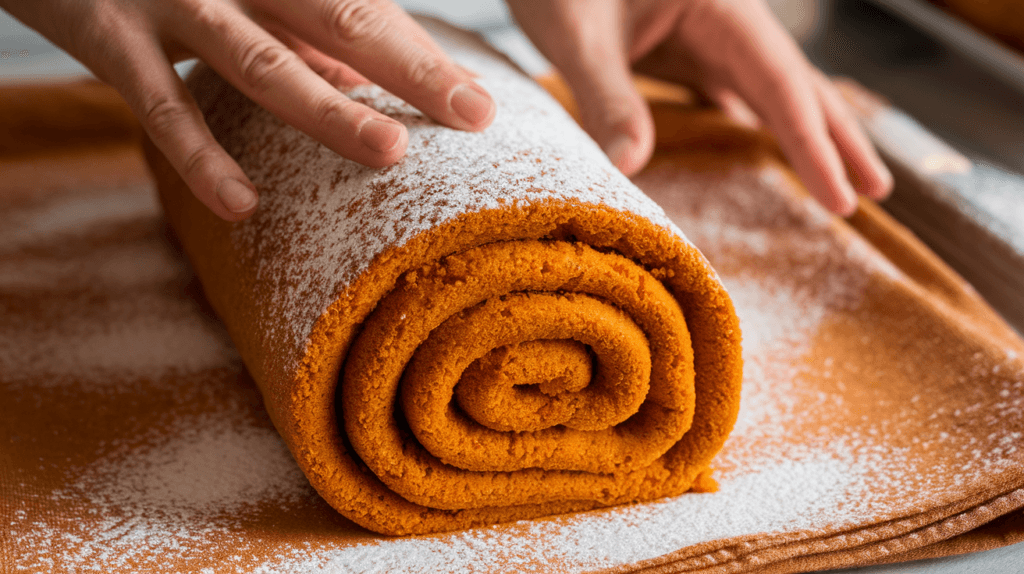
[586,44]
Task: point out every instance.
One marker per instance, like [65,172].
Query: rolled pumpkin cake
[500,326]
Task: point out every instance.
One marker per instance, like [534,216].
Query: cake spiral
[500,326]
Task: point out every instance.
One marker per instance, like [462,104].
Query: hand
[735,52]
[288,56]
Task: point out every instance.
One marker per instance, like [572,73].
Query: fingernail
[472,104]
[236,196]
[746,118]
[380,135]
[618,150]
[887,181]
[847,202]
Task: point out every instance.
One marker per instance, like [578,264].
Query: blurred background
[955,93]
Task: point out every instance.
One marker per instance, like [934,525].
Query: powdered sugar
[172,498]
[63,218]
[782,496]
[110,341]
[120,265]
[532,152]
[781,488]
[178,494]
[772,340]
[190,491]
[199,468]
[106,304]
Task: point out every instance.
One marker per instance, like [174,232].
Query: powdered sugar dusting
[768,483]
[192,488]
[113,341]
[172,498]
[116,340]
[64,218]
[103,302]
[122,266]
[784,496]
[197,469]
[768,336]
[532,152]
[178,496]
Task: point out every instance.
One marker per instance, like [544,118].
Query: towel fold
[882,410]
[500,326]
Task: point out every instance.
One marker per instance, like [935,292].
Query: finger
[867,171]
[338,74]
[734,107]
[383,43]
[798,123]
[267,72]
[172,120]
[765,66]
[590,53]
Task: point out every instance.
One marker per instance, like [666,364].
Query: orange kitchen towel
[881,412]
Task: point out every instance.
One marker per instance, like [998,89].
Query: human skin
[286,56]
[733,51]
[291,57]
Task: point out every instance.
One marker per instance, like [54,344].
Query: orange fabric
[134,438]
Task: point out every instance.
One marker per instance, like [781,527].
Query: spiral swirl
[509,328]
[498,327]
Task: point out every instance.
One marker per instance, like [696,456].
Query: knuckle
[332,111]
[199,157]
[261,62]
[423,73]
[800,138]
[162,114]
[834,102]
[164,117]
[355,21]
[202,14]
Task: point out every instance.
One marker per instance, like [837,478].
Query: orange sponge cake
[500,326]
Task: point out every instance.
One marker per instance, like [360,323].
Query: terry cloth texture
[881,413]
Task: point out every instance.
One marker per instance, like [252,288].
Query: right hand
[290,57]
[734,51]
